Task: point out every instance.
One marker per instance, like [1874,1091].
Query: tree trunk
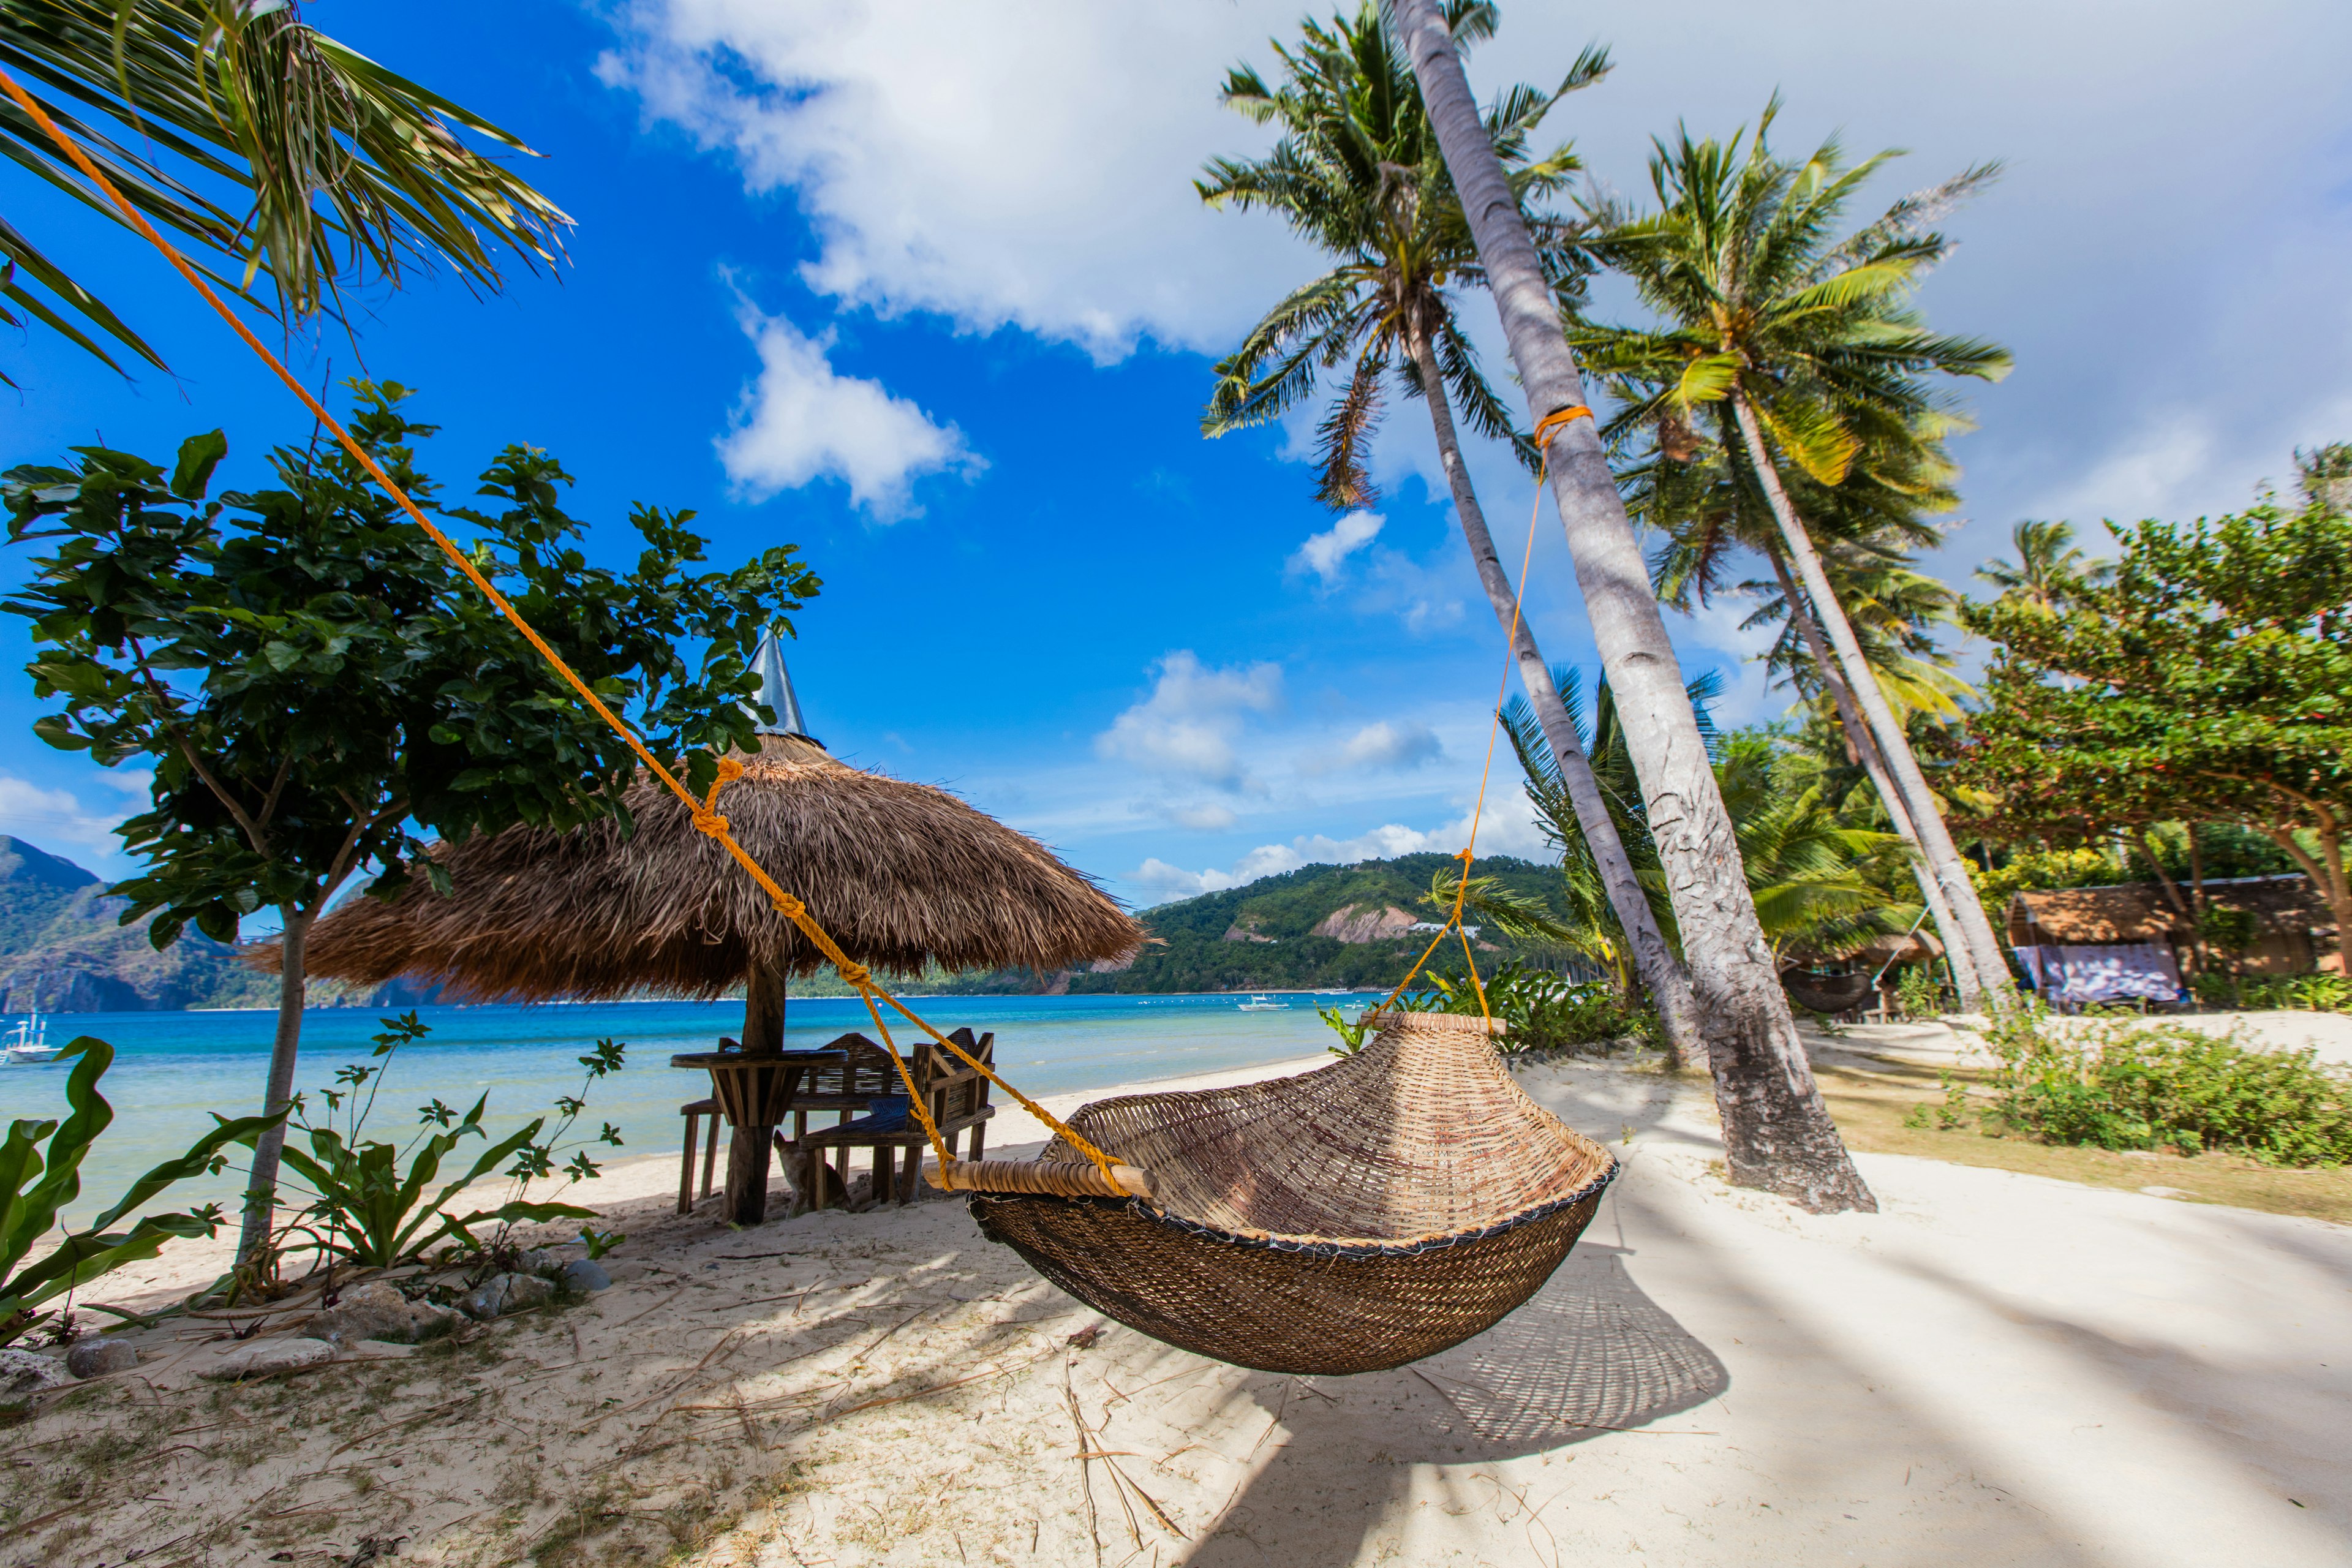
[748,1148]
[1865,750]
[2197,897]
[1776,1133]
[1661,973]
[261,1185]
[1943,857]
[2326,871]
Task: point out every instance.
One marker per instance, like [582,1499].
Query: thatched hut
[901,875]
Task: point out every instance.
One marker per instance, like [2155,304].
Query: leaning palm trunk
[1894,746]
[1653,961]
[1776,1133]
[1865,748]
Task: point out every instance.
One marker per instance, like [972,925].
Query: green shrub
[365,1210]
[2151,1085]
[1544,1012]
[34,1188]
[1919,992]
[2309,992]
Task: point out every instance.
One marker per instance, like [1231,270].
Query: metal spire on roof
[776,691]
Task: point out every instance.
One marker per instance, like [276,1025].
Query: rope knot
[856,975]
[789,907]
[711,822]
[1552,421]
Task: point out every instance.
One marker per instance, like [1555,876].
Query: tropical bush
[2121,1085]
[2309,992]
[1544,1012]
[35,1186]
[367,1211]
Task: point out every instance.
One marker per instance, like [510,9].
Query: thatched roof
[902,875]
[2139,912]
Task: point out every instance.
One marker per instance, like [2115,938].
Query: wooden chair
[957,1098]
[693,1113]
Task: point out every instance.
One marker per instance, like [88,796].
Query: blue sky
[926,290]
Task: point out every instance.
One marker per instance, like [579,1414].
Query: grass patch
[1872,1107]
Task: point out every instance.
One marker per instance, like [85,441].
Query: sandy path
[1994,1369]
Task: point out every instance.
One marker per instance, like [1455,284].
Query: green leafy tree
[2210,681]
[35,1189]
[1358,173]
[317,687]
[344,171]
[1803,349]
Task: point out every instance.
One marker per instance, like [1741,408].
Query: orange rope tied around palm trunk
[1551,423]
[705,811]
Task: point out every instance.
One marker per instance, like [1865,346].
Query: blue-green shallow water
[172,1070]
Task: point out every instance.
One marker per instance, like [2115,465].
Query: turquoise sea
[173,1069]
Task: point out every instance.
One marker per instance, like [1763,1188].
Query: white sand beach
[1993,1369]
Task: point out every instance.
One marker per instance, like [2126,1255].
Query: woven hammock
[1830,994]
[1349,1219]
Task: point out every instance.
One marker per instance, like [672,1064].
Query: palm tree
[1358,172]
[351,172]
[1795,343]
[1776,1133]
[1815,877]
[1703,496]
[2050,569]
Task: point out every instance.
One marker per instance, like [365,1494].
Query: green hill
[1316,927]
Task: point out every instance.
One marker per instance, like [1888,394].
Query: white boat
[1261,1005]
[29,1045]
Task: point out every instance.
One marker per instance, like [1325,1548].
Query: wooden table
[754,1091]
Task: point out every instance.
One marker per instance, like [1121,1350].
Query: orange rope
[1550,424]
[705,811]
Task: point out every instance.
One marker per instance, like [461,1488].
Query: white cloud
[1506,827]
[1189,726]
[1326,553]
[1209,817]
[55,821]
[1385,744]
[802,421]
[1024,163]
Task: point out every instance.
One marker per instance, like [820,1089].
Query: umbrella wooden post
[751,1143]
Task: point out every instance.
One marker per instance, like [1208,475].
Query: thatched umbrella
[902,875]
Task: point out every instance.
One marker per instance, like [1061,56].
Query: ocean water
[172,1071]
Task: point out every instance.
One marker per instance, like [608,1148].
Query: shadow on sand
[1590,1354]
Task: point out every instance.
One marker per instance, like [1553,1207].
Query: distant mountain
[1317,927]
[62,950]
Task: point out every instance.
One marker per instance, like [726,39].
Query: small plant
[34,1188]
[367,1210]
[1918,991]
[2121,1085]
[1949,1115]
[599,1242]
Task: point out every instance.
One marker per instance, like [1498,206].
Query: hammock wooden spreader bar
[1114,1180]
